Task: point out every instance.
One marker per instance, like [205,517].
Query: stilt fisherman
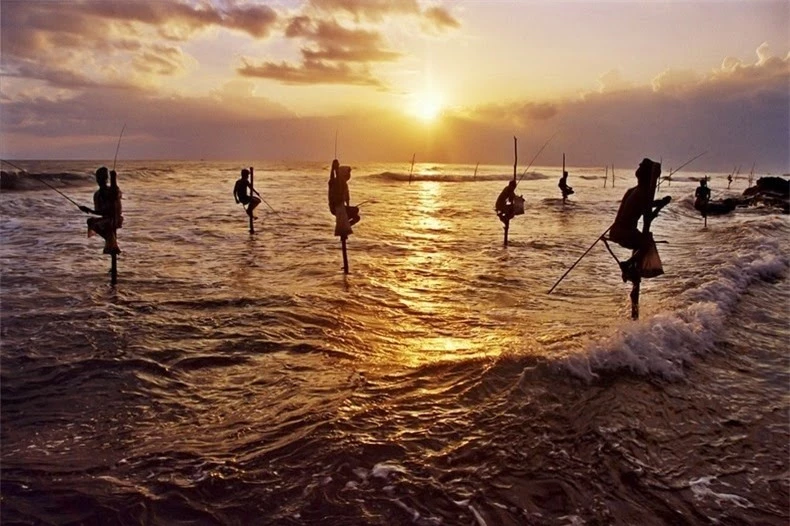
[339,200]
[107,205]
[638,203]
[563,186]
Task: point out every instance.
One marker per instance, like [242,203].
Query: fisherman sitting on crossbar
[638,201]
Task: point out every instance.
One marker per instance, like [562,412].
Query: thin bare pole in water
[534,158]
[345,254]
[412,166]
[605,175]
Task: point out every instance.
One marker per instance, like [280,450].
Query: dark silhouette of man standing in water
[702,196]
[564,188]
[340,200]
[240,193]
[637,202]
[504,203]
[107,204]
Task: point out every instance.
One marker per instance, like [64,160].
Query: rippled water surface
[232,378]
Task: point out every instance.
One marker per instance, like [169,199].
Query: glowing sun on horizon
[427,106]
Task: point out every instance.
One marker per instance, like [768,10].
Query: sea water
[232,378]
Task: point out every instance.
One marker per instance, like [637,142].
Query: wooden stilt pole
[635,298]
[252,194]
[345,254]
[648,219]
[114,269]
[606,176]
[515,167]
[116,192]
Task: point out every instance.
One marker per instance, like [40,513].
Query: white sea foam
[664,343]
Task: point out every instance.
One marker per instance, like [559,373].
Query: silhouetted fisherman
[339,199]
[563,186]
[637,202]
[241,196]
[107,204]
[504,205]
[702,196]
[729,181]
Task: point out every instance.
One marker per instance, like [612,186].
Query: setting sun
[426,106]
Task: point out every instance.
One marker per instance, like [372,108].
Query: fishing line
[536,156]
[72,201]
[118,147]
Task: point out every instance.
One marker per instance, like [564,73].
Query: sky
[447,81]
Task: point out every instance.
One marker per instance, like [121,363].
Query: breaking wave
[666,342]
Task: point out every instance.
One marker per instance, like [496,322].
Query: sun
[427,106]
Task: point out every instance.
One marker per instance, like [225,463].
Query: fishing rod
[580,258]
[72,201]
[264,201]
[118,147]
[412,166]
[672,172]
[536,156]
[610,226]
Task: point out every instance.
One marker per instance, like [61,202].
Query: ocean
[232,378]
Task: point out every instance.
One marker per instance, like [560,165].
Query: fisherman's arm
[659,204]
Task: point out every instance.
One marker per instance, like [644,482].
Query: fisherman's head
[644,171]
[564,174]
[344,172]
[102,174]
[245,173]
[703,181]
[335,164]
[512,184]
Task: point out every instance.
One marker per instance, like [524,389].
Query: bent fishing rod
[672,172]
[72,201]
[536,156]
[118,147]
[607,230]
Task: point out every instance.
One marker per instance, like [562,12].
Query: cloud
[672,79]
[739,112]
[441,18]
[331,41]
[309,72]
[85,43]
[377,10]
[611,81]
[332,54]
[374,10]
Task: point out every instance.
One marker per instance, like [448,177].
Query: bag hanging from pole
[518,205]
[650,265]
[342,228]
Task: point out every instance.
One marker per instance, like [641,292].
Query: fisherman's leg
[630,267]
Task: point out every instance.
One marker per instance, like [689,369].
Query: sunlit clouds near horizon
[449,81]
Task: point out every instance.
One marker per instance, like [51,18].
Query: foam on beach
[664,343]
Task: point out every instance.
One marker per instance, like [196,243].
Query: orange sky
[450,81]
